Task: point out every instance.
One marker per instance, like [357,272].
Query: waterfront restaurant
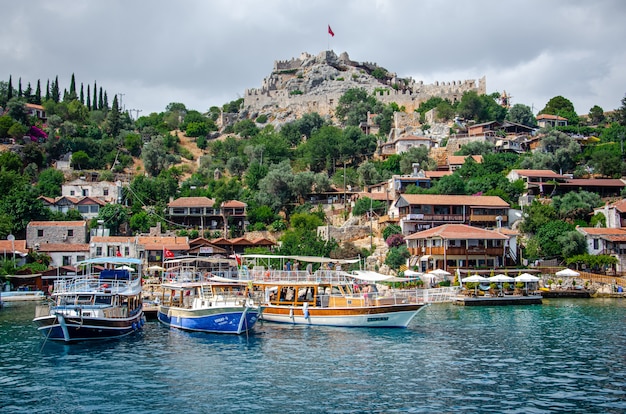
[457,245]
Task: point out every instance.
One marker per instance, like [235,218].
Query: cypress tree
[106,101]
[114,117]
[28,93]
[82,95]
[10,91]
[88,98]
[55,90]
[95,97]
[48,90]
[38,93]
[19,88]
[72,94]
[100,100]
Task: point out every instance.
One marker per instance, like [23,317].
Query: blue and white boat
[103,302]
[209,306]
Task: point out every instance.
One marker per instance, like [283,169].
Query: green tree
[537,215]
[522,114]
[548,237]
[608,163]
[562,107]
[80,160]
[114,216]
[354,105]
[397,256]
[50,182]
[596,115]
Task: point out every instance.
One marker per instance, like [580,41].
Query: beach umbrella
[124,268]
[156,268]
[475,279]
[501,279]
[567,272]
[526,278]
[440,272]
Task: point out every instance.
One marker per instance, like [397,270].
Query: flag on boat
[330,31]
[238,259]
[118,254]
[168,254]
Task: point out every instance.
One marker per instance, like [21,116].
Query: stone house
[615,214]
[110,192]
[56,232]
[547,120]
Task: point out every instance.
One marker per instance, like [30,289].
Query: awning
[425,257]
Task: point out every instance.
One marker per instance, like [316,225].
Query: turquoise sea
[564,356]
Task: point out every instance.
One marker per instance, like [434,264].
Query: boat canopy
[308,259]
[369,276]
[109,260]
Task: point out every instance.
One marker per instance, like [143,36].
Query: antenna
[121,95]
[136,112]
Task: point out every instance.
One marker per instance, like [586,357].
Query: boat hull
[227,320]
[397,316]
[76,329]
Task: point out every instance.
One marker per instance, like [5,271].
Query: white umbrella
[526,277]
[156,268]
[124,268]
[567,272]
[440,272]
[501,279]
[475,279]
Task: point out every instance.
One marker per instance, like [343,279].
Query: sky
[205,53]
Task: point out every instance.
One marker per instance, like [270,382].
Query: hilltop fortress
[315,84]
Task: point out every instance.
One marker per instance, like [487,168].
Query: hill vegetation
[274,168]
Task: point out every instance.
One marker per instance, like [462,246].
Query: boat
[22,295]
[103,302]
[199,301]
[327,296]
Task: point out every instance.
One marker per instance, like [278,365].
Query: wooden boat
[195,300]
[329,297]
[105,302]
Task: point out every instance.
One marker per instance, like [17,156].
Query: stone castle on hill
[315,84]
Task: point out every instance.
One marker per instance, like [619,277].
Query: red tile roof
[192,202]
[538,173]
[457,232]
[233,204]
[63,247]
[464,200]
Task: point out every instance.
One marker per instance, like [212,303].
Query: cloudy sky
[208,52]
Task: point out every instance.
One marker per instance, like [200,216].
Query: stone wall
[315,84]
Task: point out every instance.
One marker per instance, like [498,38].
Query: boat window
[103,300]
[83,299]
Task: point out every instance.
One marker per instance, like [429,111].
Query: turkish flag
[118,254]
[330,31]
[167,253]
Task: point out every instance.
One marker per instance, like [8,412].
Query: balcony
[457,251]
[444,218]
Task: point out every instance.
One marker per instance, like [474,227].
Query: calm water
[562,356]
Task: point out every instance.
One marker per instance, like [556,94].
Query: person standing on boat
[366,290]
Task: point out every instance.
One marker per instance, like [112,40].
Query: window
[39,232]
[596,244]
[105,191]
[99,251]
[85,192]
[70,232]
[67,260]
[126,251]
[72,192]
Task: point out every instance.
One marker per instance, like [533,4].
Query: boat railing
[261,274]
[435,295]
[90,283]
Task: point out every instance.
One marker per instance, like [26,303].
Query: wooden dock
[506,300]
